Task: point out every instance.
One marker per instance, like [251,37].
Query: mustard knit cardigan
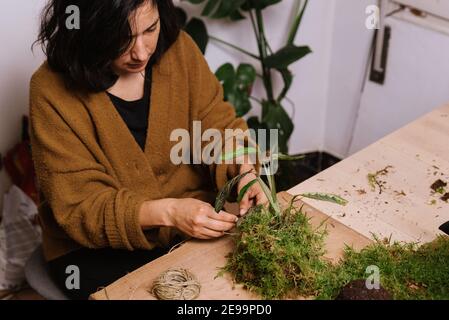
[92,175]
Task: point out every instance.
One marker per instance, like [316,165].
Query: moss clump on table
[276,255]
[282,257]
[407,271]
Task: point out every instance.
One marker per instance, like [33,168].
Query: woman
[102,109]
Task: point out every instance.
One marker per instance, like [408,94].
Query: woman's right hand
[198,219]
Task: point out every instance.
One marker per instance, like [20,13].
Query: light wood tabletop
[416,156]
[406,210]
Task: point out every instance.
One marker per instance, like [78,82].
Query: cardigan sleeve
[211,109]
[86,201]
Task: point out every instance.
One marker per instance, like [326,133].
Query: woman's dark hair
[84,56]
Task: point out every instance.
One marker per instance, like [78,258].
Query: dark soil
[445,197]
[437,185]
[357,290]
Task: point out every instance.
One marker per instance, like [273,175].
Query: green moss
[277,255]
[280,256]
[406,270]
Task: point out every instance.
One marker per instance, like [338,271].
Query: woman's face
[145,26]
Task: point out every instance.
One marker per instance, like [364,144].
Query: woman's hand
[199,220]
[255,195]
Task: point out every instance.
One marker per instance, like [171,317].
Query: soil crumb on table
[438,185]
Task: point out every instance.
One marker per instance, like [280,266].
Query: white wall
[349,54]
[18,30]
[417,81]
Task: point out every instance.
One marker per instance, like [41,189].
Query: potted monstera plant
[238,81]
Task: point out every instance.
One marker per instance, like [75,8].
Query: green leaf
[259,4]
[277,118]
[240,100]
[296,23]
[218,9]
[224,193]
[236,16]
[325,197]
[285,157]
[225,73]
[255,124]
[245,190]
[198,31]
[286,56]
[223,10]
[287,77]
[182,17]
[209,8]
[238,153]
[227,8]
[237,85]
[246,74]
[273,201]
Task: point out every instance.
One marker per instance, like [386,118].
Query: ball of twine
[176,284]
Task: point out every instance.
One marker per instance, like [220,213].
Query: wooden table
[418,154]
[406,210]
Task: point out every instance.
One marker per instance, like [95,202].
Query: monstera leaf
[198,31]
[282,59]
[219,9]
[259,4]
[237,85]
[286,56]
[196,28]
[275,117]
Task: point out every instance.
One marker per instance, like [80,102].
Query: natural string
[176,284]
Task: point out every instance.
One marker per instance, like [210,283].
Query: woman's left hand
[255,195]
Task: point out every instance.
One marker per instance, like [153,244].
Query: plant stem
[235,47]
[268,45]
[255,99]
[296,23]
[256,31]
[263,55]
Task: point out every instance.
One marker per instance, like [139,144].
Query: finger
[223,216]
[203,237]
[261,198]
[219,226]
[210,234]
[244,204]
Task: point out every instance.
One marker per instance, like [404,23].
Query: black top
[135,113]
